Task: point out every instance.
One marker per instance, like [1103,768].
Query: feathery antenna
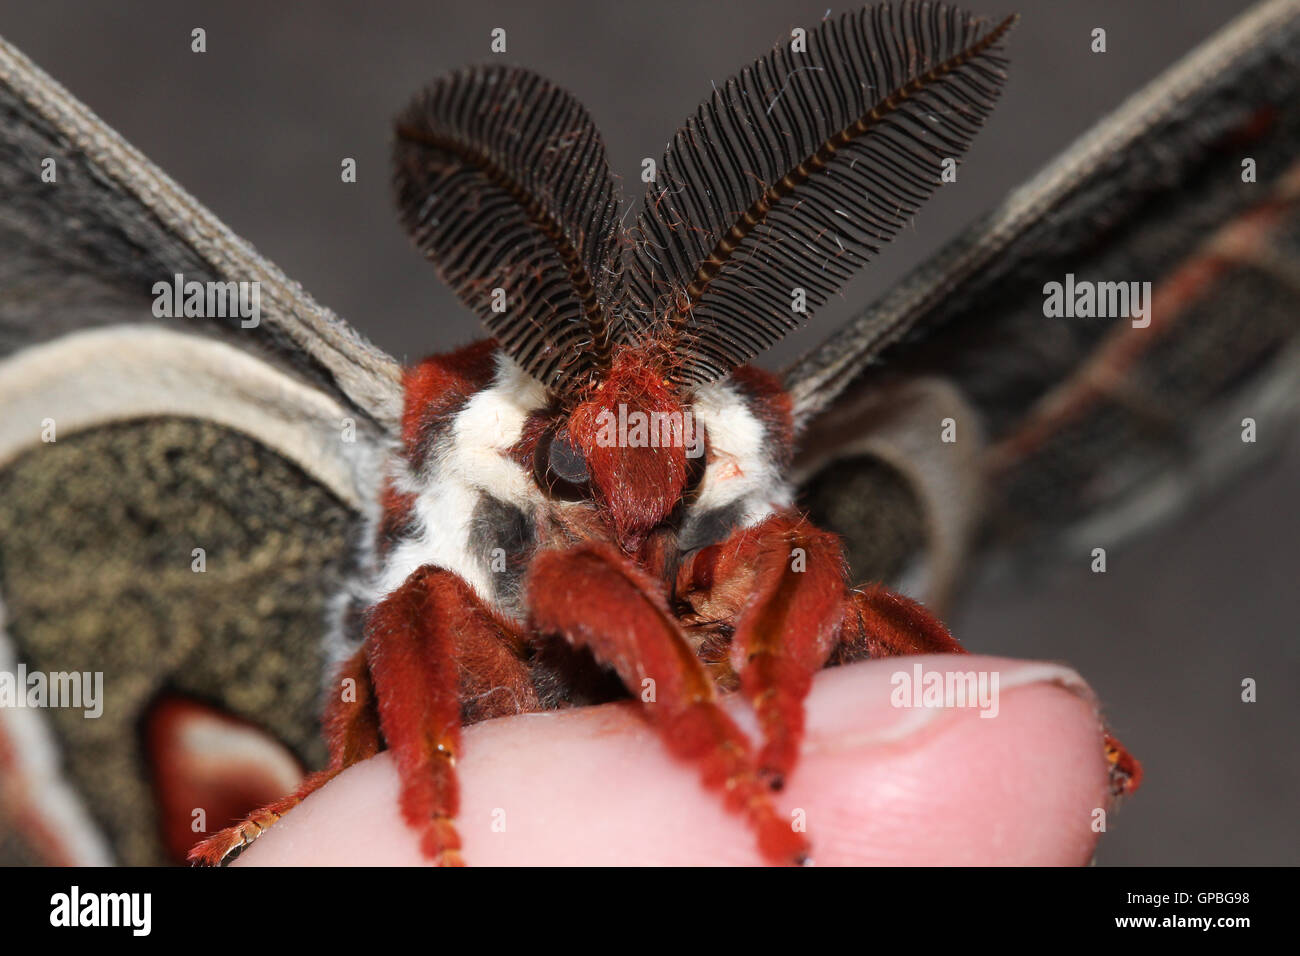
[798,169]
[502,181]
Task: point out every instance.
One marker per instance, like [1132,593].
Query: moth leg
[411,638]
[424,640]
[352,734]
[884,623]
[596,598]
[1123,770]
[782,583]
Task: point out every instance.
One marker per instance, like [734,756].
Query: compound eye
[560,469]
[695,468]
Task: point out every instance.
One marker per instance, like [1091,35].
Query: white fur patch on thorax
[743,475]
[470,460]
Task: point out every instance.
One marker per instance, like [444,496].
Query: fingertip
[1018,780]
[879,782]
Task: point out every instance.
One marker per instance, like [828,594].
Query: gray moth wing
[180,498]
[1077,432]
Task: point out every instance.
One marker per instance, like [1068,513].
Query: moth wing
[112,225]
[1073,433]
[180,500]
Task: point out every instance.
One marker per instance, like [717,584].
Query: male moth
[605,492]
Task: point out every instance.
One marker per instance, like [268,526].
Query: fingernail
[883,702]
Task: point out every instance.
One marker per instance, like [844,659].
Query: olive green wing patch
[170,555]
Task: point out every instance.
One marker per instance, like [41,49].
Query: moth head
[631,443]
[765,203]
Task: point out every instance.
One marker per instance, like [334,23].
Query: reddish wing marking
[1244,241]
[352,734]
[20,810]
[204,758]
[596,598]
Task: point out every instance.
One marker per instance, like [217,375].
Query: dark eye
[560,469]
[695,467]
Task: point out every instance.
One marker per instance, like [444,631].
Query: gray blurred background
[256,128]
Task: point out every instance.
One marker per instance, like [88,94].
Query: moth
[244,522]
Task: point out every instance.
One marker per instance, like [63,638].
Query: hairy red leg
[430,645]
[410,645]
[596,598]
[425,642]
[352,734]
[490,658]
[782,582]
[1124,769]
[884,623]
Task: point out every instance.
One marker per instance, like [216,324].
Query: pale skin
[877,784]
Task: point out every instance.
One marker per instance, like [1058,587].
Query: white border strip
[41,787]
[125,372]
